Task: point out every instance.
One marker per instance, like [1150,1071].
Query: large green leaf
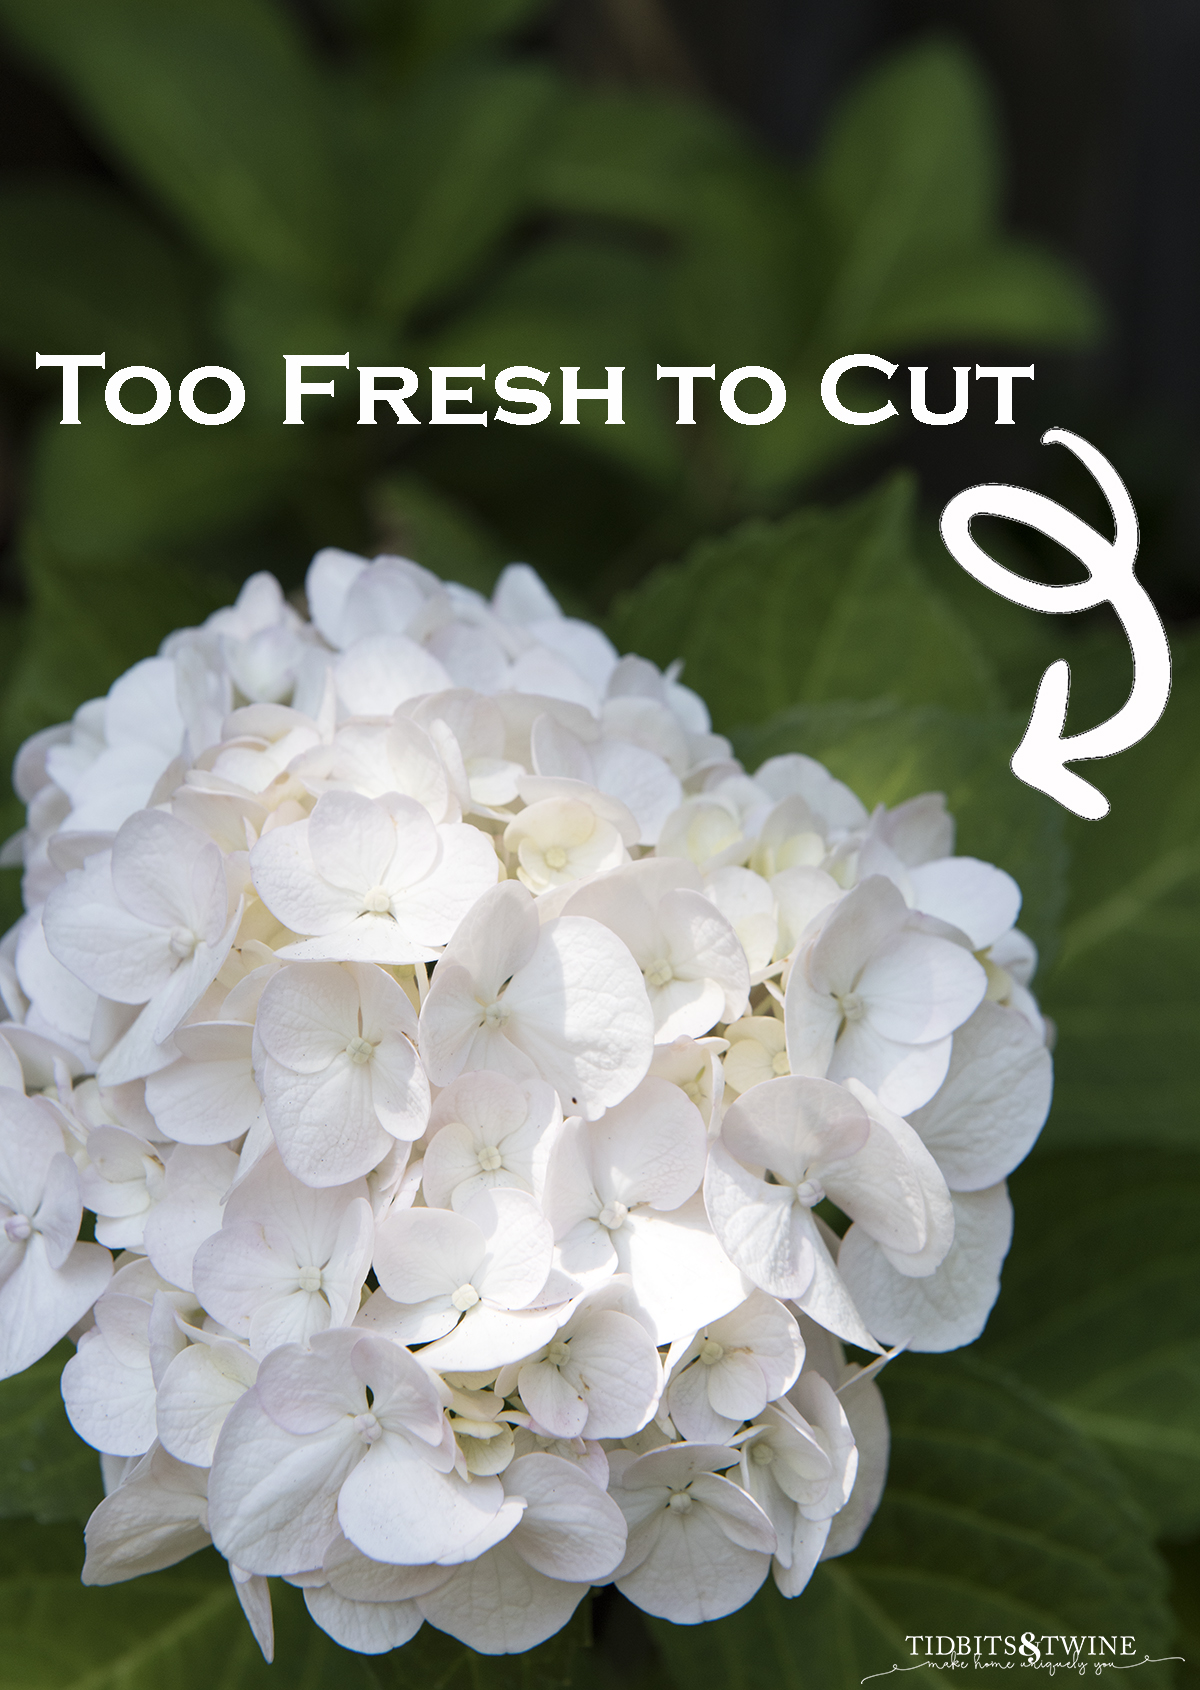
[1126,992]
[215,106]
[183,1628]
[998,1519]
[827,604]
[46,1469]
[81,269]
[1101,1311]
[887,754]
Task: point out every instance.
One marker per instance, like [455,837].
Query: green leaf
[1126,991]
[826,604]
[46,1469]
[105,490]
[887,754]
[434,1661]
[998,1518]
[418,521]
[216,107]
[1101,1312]
[1013,292]
[81,269]
[442,173]
[182,1628]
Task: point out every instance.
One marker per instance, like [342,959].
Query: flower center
[368,1428]
[680,1501]
[558,1353]
[660,973]
[360,1050]
[17,1228]
[310,1279]
[464,1298]
[377,902]
[489,1159]
[852,1006]
[810,1192]
[761,1453]
[613,1216]
[555,857]
[182,942]
[496,1014]
[711,1352]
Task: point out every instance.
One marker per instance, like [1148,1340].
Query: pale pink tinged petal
[570,1529]
[807,1547]
[812,1019]
[383,670]
[903,1077]
[691,1409]
[287,881]
[292,1318]
[863,1405]
[936,1227]
[309,1218]
[345,1272]
[423,1253]
[579,1011]
[399,1089]
[101,943]
[355,1576]
[59,996]
[254,1595]
[325,1124]
[682,1278]
[432,908]
[40,1304]
[694,1572]
[60,1211]
[917,988]
[207,1101]
[742,1520]
[408,1323]
[308,1014]
[451,1160]
[950,1307]
[154,1519]
[981,900]
[405,1397]
[614,1360]
[369,1628]
[488,1337]
[759,1226]
[793,1126]
[310,1390]
[736,1387]
[241,1267]
[500,1605]
[110,1405]
[878,1187]
[12,1077]
[823,1411]
[993,1102]
[384,1005]
[853,932]
[272,1496]
[30,1139]
[196,1393]
[451,1017]
[352,841]
[168,872]
[519,1245]
[828,1300]
[553,1401]
[395,1507]
[703,945]
[557,751]
[650,1148]
[331,575]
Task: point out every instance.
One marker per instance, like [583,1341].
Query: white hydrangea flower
[459,1045]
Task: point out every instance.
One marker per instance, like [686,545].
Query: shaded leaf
[827,604]
[46,1470]
[1101,1312]
[998,1518]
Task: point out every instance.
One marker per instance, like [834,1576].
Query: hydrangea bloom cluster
[460,1054]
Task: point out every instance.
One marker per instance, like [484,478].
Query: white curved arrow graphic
[1039,759]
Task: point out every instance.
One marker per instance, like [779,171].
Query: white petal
[39,1304]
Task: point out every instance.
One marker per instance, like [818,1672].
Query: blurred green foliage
[430,192]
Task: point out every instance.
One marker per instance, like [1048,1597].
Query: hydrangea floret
[494,1110]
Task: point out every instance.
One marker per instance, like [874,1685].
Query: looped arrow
[1039,759]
